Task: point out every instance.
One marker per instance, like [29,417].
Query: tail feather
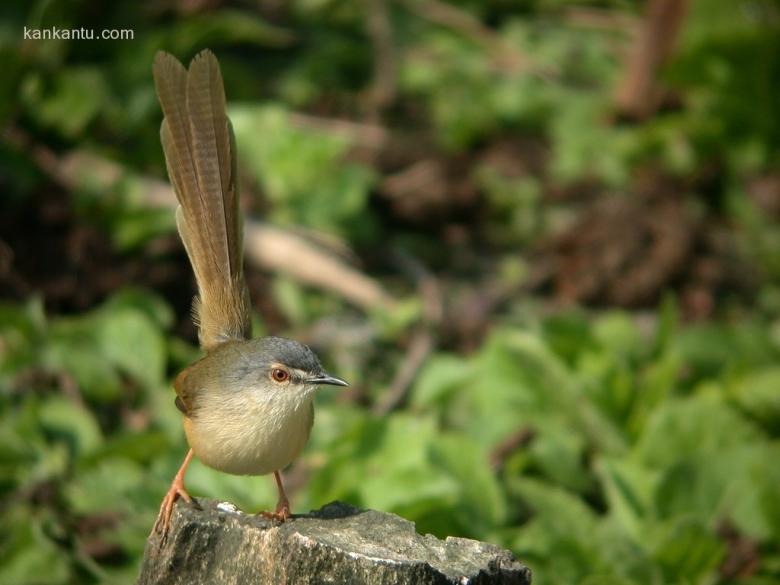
[200,155]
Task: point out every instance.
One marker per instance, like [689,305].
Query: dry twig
[383,89]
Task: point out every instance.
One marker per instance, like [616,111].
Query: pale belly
[253,441]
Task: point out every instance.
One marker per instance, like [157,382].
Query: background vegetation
[581,359]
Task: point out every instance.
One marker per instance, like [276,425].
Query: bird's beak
[326,379]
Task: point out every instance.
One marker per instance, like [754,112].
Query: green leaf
[151,304]
[629,489]
[726,487]
[302,172]
[132,343]
[567,334]
[561,511]
[657,382]
[73,99]
[289,297]
[227,26]
[607,580]
[22,447]
[29,556]
[72,347]
[561,540]
[617,333]
[109,485]
[72,423]
[768,484]
[132,228]
[481,502]
[686,550]
[682,427]
[442,375]
[758,394]
[398,474]
[139,447]
[708,348]
[559,455]
[21,330]
[403,464]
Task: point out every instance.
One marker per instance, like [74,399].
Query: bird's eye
[280,375]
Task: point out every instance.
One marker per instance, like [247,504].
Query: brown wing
[200,154]
[183,398]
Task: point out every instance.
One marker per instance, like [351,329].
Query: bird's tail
[200,154]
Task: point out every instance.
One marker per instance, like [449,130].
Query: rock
[336,544]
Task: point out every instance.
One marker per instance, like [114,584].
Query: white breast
[247,433]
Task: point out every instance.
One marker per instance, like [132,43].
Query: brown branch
[453,18]
[417,353]
[423,342]
[511,443]
[639,94]
[449,16]
[601,19]
[279,250]
[370,136]
[383,89]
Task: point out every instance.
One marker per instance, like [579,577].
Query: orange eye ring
[280,375]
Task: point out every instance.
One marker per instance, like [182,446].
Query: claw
[163,523]
[281,514]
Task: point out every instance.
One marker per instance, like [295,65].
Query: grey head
[288,360]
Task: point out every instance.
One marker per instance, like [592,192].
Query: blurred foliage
[306,181]
[601,446]
[645,447]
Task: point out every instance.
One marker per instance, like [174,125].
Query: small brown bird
[247,404]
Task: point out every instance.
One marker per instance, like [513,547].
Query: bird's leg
[283,504]
[163,522]
[282,512]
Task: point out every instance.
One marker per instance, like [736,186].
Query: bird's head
[292,366]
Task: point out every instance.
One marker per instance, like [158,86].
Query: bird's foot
[281,514]
[163,523]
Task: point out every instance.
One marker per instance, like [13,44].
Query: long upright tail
[200,154]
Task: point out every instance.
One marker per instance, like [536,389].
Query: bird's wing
[200,154]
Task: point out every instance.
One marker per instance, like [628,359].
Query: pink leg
[282,512]
[163,523]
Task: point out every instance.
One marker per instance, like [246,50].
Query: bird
[247,404]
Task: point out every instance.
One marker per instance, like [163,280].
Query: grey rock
[336,544]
